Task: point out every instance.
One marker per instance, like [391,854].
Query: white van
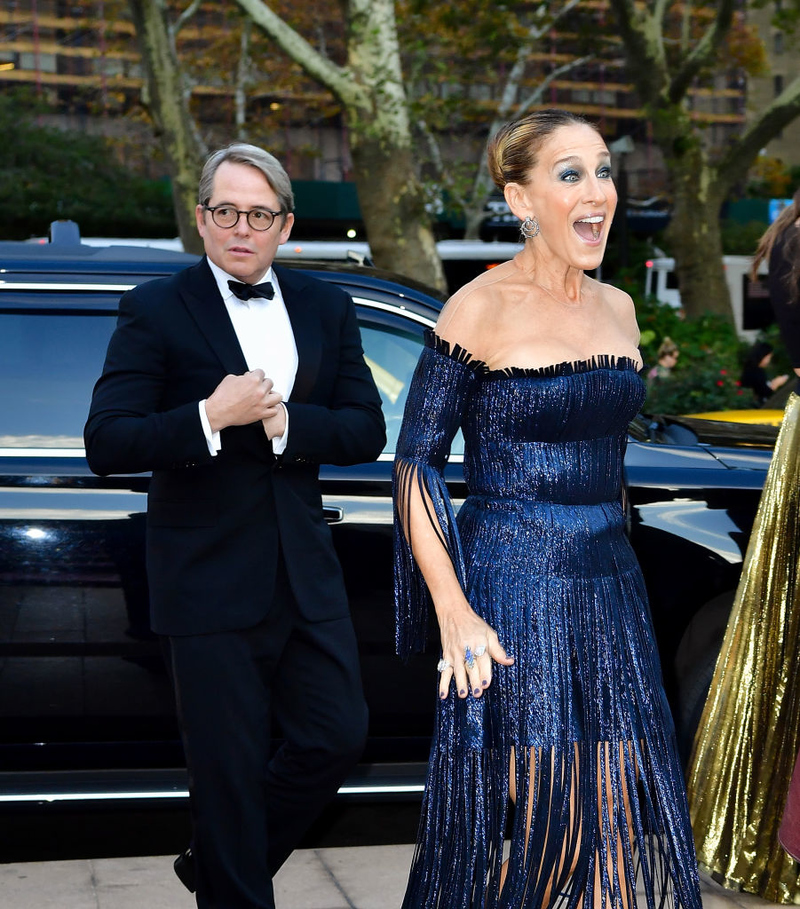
[749,299]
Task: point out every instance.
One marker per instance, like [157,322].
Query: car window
[392,355]
[49,363]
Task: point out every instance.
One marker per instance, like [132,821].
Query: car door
[358,505]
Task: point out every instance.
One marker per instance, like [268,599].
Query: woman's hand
[468,647]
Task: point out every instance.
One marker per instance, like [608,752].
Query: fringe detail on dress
[565,368]
[600,810]
[412,599]
[435,402]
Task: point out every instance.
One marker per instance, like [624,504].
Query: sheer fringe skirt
[566,769]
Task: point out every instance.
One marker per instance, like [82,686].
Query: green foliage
[769,178]
[48,174]
[706,377]
[741,239]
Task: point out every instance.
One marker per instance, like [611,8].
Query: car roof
[24,263]
[78,258]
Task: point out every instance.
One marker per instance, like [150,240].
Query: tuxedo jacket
[216,525]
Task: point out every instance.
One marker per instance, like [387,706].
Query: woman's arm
[428,558]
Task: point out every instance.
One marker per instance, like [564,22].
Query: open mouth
[589,228]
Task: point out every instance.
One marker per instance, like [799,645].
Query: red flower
[720,383]
[723,372]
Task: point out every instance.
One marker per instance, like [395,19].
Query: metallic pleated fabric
[578,728]
[749,733]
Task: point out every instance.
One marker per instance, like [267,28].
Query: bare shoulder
[466,315]
[621,306]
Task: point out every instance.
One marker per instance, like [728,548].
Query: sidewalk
[365,877]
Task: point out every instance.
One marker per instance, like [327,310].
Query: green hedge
[706,377]
[48,174]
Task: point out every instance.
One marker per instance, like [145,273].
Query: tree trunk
[371,91]
[166,101]
[694,229]
[390,194]
[392,206]
[696,242]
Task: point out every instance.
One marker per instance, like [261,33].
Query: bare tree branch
[703,51]
[337,79]
[738,158]
[442,171]
[643,40]
[243,78]
[186,15]
[536,95]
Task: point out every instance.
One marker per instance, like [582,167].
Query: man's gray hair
[241,153]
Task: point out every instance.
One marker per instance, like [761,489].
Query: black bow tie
[248,291]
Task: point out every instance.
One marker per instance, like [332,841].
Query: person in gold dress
[749,733]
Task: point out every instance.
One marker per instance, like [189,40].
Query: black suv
[86,708]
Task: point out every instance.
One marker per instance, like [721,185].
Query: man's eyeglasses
[258,218]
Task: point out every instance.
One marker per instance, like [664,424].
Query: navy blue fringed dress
[580,719]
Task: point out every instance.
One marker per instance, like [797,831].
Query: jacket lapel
[205,305]
[301,305]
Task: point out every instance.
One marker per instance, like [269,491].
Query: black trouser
[248,811]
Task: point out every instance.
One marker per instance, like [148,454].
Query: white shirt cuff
[213,439]
[279,444]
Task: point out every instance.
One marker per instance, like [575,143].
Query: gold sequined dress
[749,733]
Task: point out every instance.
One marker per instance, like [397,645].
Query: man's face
[239,250]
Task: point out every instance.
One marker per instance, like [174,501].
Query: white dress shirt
[265,335]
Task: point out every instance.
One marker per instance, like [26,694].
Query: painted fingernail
[462,692]
[476,691]
[485,683]
[442,694]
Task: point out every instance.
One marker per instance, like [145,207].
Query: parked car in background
[462,260]
[86,709]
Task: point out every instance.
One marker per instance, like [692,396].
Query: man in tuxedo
[232,381]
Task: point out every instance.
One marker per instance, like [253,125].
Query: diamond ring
[480,650]
[442,665]
[469,657]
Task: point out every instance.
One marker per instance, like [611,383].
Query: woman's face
[571,193]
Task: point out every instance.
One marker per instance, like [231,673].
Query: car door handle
[333,514]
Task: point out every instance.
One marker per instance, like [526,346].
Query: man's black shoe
[184,868]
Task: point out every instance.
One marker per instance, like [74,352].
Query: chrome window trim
[105,288]
[390,456]
[183,794]
[42,453]
[395,309]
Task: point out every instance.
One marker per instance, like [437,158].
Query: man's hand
[241,400]
[275,426]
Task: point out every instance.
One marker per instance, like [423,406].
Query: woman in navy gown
[554,778]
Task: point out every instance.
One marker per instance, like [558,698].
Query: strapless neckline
[563,368]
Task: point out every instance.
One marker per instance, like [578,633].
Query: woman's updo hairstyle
[514,147]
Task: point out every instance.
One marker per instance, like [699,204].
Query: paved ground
[369,877]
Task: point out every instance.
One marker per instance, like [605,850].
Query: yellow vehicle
[766,416]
